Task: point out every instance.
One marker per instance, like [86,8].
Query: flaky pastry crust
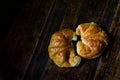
[93,40]
[61,49]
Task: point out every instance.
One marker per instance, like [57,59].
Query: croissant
[93,40]
[61,49]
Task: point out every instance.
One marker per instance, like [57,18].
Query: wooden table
[28,26]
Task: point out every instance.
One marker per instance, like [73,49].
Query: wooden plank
[17,46]
[99,11]
[71,14]
[78,12]
[109,66]
[40,57]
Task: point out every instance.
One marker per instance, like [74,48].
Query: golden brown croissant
[93,40]
[61,49]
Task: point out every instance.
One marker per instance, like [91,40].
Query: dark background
[27,25]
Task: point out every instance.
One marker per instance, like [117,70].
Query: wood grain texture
[109,65]
[25,39]
[19,43]
[74,13]
[41,55]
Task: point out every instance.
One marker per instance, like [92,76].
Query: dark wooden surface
[26,28]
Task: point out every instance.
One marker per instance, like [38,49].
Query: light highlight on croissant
[93,40]
[61,49]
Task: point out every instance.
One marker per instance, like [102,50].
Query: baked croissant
[93,40]
[61,49]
